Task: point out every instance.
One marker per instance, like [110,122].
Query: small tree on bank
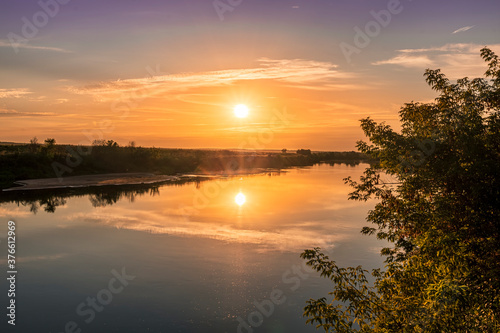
[442,272]
[49,148]
[33,145]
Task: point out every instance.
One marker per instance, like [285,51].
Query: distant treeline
[48,160]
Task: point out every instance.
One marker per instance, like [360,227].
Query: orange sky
[172,81]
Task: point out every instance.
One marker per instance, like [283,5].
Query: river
[219,255]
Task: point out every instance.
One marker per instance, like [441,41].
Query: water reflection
[201,260]
[50,200]
[287,212]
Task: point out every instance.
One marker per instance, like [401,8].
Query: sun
[241,111]
[240,199]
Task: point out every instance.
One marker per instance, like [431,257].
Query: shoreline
[108,179]
[116,179]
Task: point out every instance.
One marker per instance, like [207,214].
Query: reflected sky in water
[202,253]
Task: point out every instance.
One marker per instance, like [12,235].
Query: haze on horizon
[169,74]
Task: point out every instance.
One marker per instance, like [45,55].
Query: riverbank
[119,179]
[91,181]
[27,164]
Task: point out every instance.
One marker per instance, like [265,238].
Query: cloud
[456,47]
[13,212]
[463,29]
[14,93]
[60,101]
[4,43]
[406,60]
[15,113]
[455,60]
[26,259]
[288,239]
[292,71]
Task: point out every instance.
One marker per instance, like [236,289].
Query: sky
[168,73]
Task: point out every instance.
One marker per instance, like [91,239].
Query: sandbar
[91,180]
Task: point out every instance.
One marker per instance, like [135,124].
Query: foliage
[28,161]
[49,142]
[441,218]
[304,151]
[33,145]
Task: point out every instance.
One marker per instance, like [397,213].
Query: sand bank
[92,180]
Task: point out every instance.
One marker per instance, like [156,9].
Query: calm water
[188,257]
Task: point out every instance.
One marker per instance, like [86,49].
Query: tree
[100,142]
[304,151]
[106,143]
[442,271]
[33,145]
[49,142]
[49,148]
[284,150]
[111,143]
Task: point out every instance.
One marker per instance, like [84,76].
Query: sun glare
[241,111]
[240,199]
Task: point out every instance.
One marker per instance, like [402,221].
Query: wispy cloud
[49,257]
[289,239]
[14,93]
[60,101]
[4,43]
[13,212]
[463,29]
[455,47]
[407,60]
[456,60]
[15,113]
[292,71]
